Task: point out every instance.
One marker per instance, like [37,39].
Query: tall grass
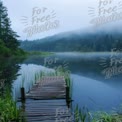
[83,115]
[106,117]
[8,108]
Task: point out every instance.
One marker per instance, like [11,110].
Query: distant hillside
[76,41]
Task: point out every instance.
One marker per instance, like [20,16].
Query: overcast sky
[71,14]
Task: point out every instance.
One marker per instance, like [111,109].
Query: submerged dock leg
[22,94]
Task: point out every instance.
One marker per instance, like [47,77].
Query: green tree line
[8,38]
[88,42]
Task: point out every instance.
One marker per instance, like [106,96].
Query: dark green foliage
[8,38]
[4,50]
[8,109]
[87,42]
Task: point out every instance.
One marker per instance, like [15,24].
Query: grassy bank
[83,115]
[39,53]
[8,109]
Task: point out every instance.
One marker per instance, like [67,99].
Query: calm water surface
[90,87]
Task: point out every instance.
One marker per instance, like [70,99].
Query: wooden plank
[51,95]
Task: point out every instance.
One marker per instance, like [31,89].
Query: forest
[9,44]
[72,41]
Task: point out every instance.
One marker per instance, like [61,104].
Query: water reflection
[8,71]
[90,87]
[95,95]
[27,78]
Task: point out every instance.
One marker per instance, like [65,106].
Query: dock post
[67,96]
[22,94]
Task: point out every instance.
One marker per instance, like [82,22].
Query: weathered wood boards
[48,88]
[46,101]
[46,110]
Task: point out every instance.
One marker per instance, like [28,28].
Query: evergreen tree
[7,35]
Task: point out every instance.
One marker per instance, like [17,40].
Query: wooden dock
[46,101]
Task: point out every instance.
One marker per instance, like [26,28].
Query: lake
[96,77]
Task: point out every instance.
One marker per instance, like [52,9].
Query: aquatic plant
[82,115]
[8,108]
[106,117]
